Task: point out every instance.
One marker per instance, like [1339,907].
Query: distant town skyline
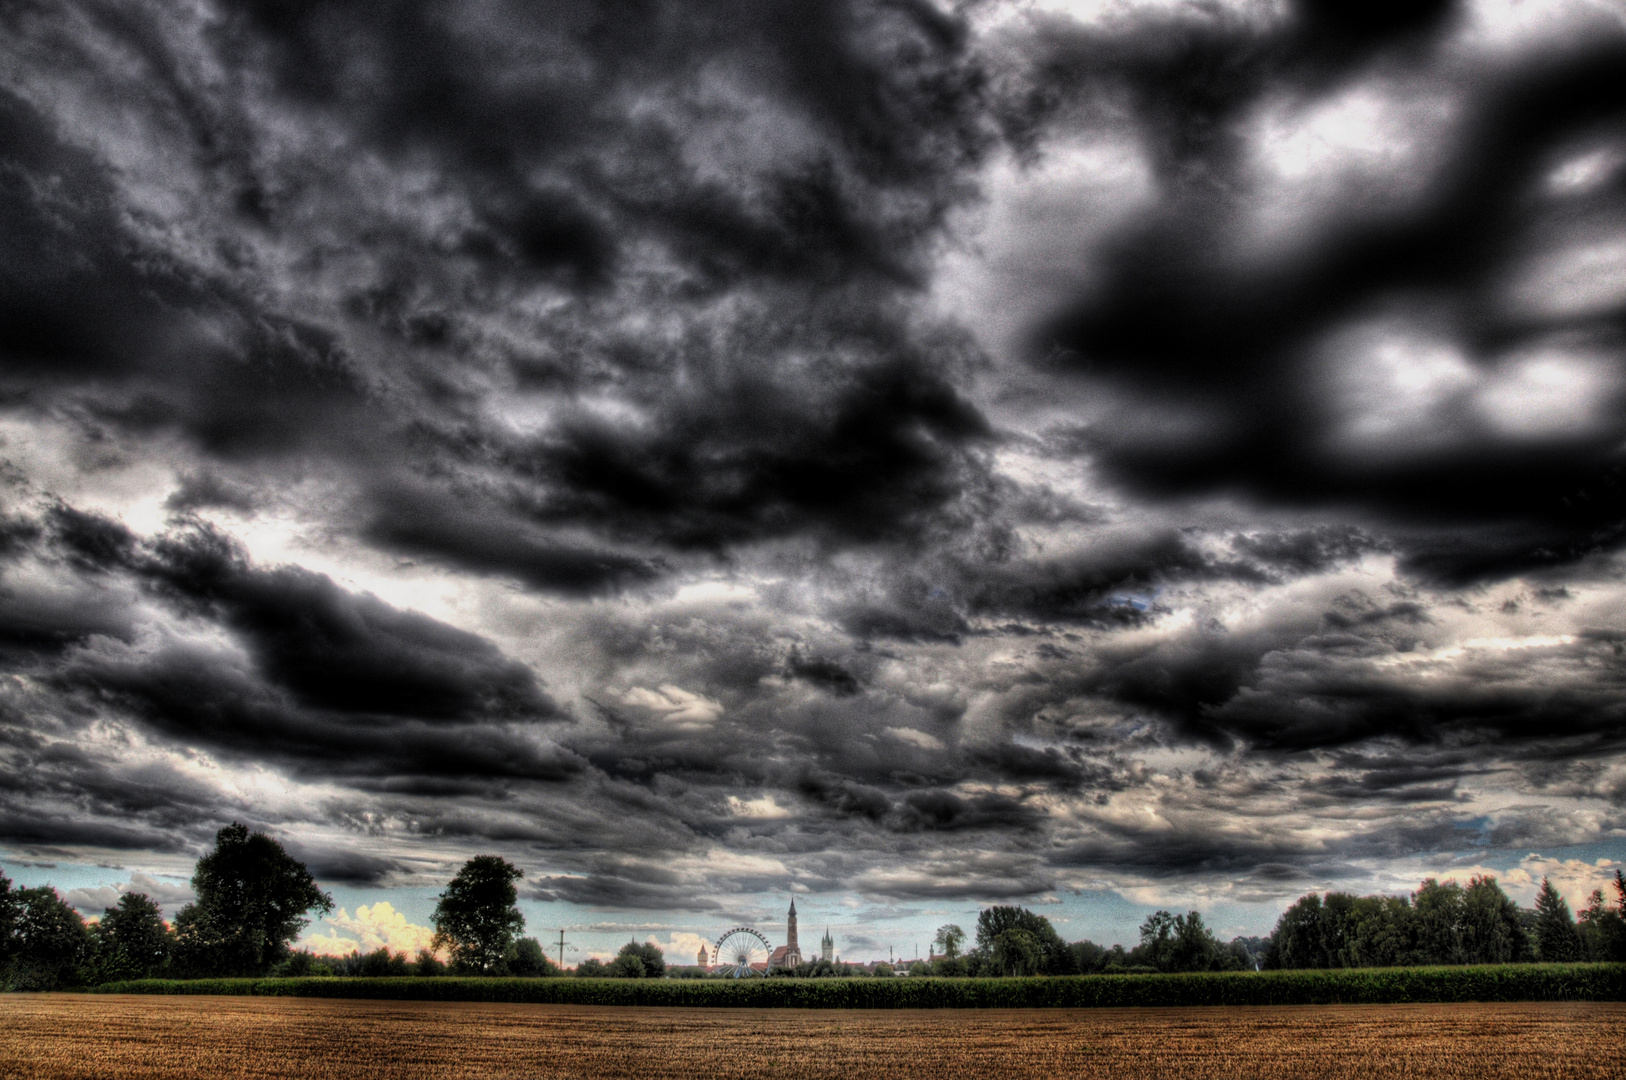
[1100,457]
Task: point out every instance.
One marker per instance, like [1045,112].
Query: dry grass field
[59,1037]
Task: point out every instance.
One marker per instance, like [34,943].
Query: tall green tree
[1437,911]
[1017,952]
[476,919]
[253,898]
[131,940]
[50,943]
[949,941]
[1053,957]
[1491,933]
[1555,927]
[1296,941]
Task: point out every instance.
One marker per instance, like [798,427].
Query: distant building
[827,946]
[705,957]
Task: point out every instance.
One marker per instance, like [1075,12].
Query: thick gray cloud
[699,450]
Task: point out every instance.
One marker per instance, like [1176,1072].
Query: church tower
[827,946]
[793,951]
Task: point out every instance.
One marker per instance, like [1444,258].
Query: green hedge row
[1522,982]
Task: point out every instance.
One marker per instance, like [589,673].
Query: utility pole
[561,950]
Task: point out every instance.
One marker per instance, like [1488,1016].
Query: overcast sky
[1097,456]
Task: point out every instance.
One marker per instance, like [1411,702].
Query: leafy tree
[1239,957]
[1437,914]
[1087,956]
[11,910]
[1383,933]
[1017,952]
[883,970]
[640,961]
[1602,928]
[428,965]
[1052,955]
[131,940]
[252,901]
[1555,927]
[528,960]
[1181,943]
[949,941]
[475,918]
[591,968]
[1296,942]
[1491,933]
[51,944]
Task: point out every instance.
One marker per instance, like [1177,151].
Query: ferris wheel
[738,950]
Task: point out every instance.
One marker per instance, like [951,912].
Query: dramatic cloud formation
[371,929]
[907,454]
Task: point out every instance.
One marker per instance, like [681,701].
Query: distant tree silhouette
[252,901]
[1555,927]
[475,918]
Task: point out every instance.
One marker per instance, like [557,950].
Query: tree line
[1441,923]
[254,899]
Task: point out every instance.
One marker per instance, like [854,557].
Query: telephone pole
[561,951]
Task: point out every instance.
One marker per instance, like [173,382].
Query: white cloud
[680,949]
[763,807]
[915,737]
[371,928]
[1573,878]
[675,705]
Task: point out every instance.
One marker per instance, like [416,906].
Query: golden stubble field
[61,1036]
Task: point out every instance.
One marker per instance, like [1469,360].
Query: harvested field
[61,1036]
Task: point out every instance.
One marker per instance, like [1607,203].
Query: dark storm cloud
[337,650]
[316,676]
[609,891]
[1185,321]
[839,417]
[343,866]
